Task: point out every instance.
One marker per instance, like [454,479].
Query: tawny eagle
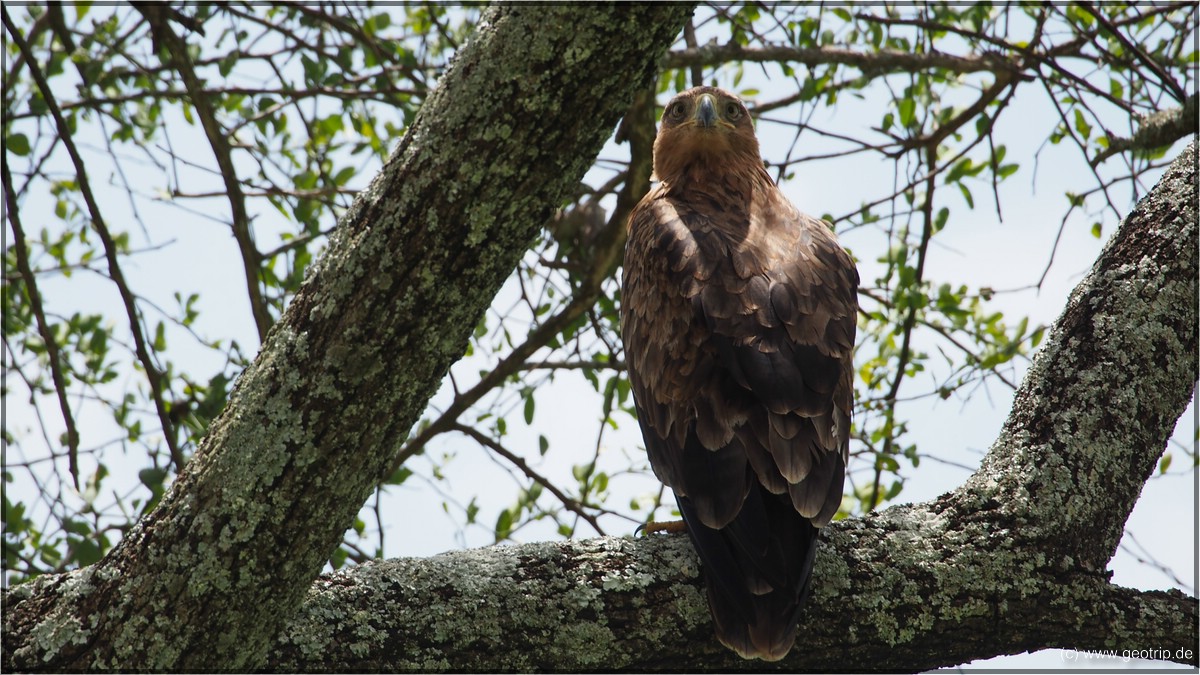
[738,316]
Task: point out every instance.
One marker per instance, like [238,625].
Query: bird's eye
[733,111]
[677,110]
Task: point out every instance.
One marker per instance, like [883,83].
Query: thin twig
[571,504]
[167,40]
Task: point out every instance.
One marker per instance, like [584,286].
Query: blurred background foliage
[132,133]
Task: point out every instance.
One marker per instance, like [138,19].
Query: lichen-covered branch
[205,581]
[1157,130]
[1092,417]
[638,604]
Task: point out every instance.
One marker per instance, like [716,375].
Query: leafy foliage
[238,133]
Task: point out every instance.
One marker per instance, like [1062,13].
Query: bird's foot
[670,527]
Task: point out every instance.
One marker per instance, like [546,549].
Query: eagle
[738,316]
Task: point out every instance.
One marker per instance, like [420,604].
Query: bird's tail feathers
[758,573]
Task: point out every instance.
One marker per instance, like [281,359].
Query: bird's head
[708,131]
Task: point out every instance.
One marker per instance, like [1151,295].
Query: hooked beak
[706,112]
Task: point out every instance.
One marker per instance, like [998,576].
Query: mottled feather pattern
[738,317]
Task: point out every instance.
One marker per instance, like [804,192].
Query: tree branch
[884,60]
[1157,130]
[53,355]
[175,51]
[618,604]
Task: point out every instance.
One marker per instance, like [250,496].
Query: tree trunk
[207,579]
[1013,560]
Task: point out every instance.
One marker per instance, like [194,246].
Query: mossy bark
[207,579]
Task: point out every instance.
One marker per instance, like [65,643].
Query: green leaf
[543,445]
[1081,125]
[1116,88]
[18,144]
[1097,229]
[77,527]
[907,108]
[85,551]
[960,168]
[504,525]
[529,408]
[226,64]
[1164,463]
[160,337]
[152,477]
[940,221]
[581,471]
[966,192]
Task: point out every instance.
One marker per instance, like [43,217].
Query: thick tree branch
[1092,417]
[638,604]
[205,581]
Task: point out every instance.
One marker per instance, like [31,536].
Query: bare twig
[1155,67]
[167,40]
[572,505]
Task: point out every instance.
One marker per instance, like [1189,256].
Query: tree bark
[1013,560]
[207,579]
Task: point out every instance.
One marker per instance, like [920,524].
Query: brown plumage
[738,315]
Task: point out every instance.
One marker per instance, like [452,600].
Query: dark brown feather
[738,317]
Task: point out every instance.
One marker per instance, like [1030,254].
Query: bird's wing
[672,367]
[782,318]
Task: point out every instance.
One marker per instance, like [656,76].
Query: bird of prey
[738,316]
